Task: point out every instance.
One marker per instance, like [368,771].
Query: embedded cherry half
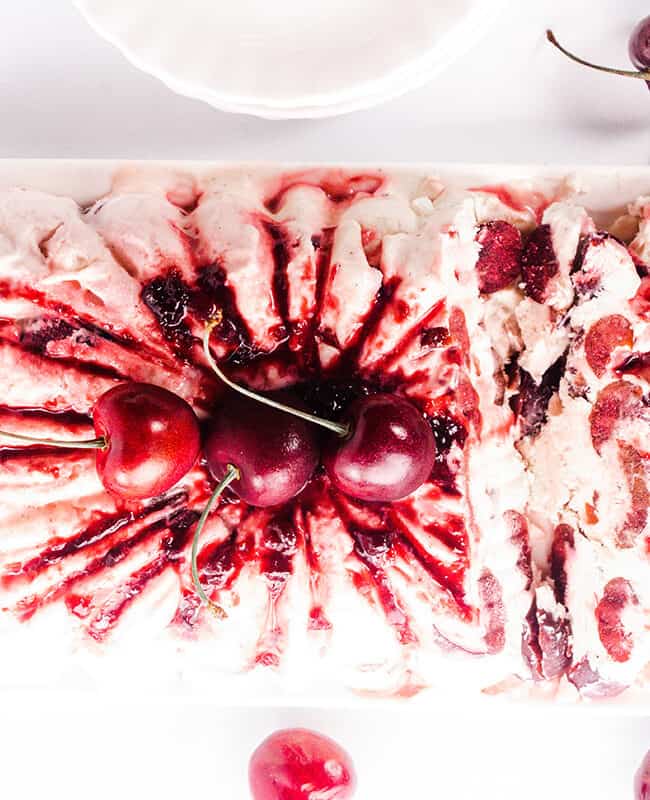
[264,455]
[388,454]
[382,452]
[299,764]
[147,439]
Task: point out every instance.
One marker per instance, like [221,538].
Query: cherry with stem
[147,439]
[640,74]
[382,451]
[264,455]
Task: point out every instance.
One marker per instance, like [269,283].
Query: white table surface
[64,92]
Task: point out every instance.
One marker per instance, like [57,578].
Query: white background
[64,92]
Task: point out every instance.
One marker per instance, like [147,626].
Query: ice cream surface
[518,327]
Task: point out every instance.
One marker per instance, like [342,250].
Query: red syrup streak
[450,578]
[92,541]
[281,261]
[171,554]
[635,364]
[44,460]
[220,566]
[78,366]
[374,548]
[65,312]
[67,319]
[415,333]
[91,537]
[278,545]
[67,419]
[447,432]
[378,542]
[338,186]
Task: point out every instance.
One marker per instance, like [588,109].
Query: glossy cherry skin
[299,764]
[640,46]
[275,453]
[153,440]
[389,453]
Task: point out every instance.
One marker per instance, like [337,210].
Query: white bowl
[291,58]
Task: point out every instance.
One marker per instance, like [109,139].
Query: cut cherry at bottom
[299,764]
[642,780]
[383,451]
[264,455]
[147,439]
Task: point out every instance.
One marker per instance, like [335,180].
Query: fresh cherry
[147,439]
[299,764]
[642,780]
[389,453]
[264,455]
[383,452]
[639,47]
[275,453]
[152,439]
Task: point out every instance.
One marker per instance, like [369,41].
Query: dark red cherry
[382,452]
[299,764]
[388,454]
[147,439]
[275,453]
[152,440]
[640,45]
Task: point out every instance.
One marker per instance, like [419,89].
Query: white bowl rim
[413,74]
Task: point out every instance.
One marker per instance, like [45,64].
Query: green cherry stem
[626,73]
[101,443]
[338,428]
[232,474]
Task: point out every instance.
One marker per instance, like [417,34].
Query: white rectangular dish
[391,218]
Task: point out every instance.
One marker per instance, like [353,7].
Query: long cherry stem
[232,474]
[338,428]
[87,444]
[641,75]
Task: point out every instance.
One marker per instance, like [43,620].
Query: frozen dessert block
[516,327]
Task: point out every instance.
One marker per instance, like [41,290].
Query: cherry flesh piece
[152,440]
[275,453]
[388,454]
[299,764]
[642,780]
